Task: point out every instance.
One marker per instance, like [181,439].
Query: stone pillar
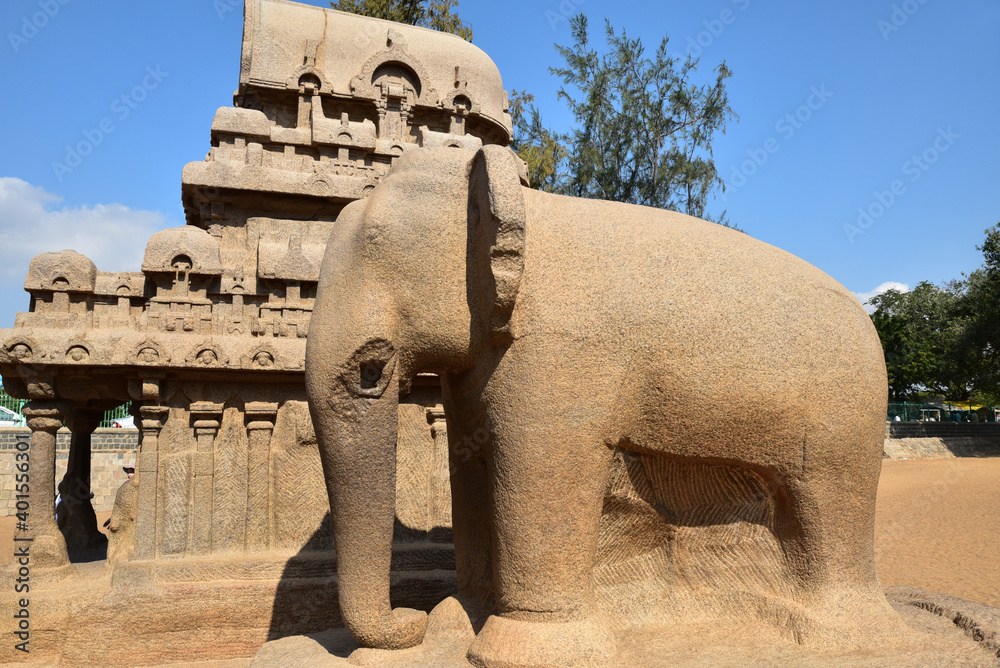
[146,474]
[206,418]
[414,471]
[48,549]
[439,494]
[260,417]
[80,528]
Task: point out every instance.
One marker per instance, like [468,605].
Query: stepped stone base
[188,610]
[282,608]
[945,631]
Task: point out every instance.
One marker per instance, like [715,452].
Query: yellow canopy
[963,406]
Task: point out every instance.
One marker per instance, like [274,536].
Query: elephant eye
[371,374]
[371,369]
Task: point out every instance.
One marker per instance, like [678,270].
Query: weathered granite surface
[739,555]
[653,419]
[942,631]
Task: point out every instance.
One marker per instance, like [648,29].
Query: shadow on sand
[305,603]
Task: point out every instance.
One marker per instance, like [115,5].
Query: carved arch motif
[362,85]
[207,355]
[78,351]
[149,353]
[264,356]
[309,75]
[20,348]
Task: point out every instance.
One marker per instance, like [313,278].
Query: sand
[937,527]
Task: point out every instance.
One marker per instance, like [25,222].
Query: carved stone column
[260,417]
[80,528]
[439,494]
[48,549]
[153,418]
[206,417]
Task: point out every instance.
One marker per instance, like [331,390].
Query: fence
[10,413]
[10,410]
[912,411]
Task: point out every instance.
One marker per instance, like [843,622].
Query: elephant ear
[496,238]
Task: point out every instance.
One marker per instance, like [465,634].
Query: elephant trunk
[358,447]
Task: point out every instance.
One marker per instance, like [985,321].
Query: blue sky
[887,106]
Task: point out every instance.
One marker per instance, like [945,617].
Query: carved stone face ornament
[21,352]
[207,358]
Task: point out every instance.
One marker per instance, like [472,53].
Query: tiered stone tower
[208,339]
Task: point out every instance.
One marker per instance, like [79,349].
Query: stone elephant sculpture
[569,329]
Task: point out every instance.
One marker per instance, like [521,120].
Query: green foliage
[435,14]
[915,328]
[540,148]
[945,339]
[980,317]
[641,123]
[991,248]
[643,130]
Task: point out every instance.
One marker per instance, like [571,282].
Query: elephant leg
[548,491]
[825,520]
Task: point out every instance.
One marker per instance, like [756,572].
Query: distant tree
[435,14]
[945,339]
[916,330]
[643,130]
[539,147]
[978,345]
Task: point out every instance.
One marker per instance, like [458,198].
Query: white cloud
[112,235]
[863,297]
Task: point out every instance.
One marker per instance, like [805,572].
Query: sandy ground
[937,527]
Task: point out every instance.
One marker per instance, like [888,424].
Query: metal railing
[122,416]
[10,413]
[965,411]
[10,410]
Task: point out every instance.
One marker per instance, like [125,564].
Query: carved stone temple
[207,340]
[679,534]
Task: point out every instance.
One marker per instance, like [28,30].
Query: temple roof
[284,42]
[63,270]
[194,246]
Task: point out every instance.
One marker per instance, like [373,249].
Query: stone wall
[111,449]
[940,440]
[940,448]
